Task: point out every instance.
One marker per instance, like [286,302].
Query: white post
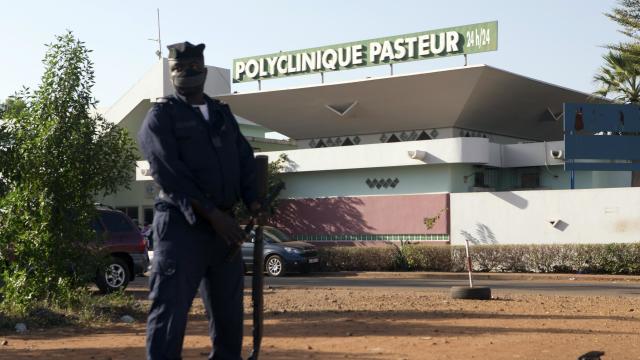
[466,246]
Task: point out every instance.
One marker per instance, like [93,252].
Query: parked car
[281,254]
[126,248]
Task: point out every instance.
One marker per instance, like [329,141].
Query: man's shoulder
[216,101]
[162,105]
[164,101]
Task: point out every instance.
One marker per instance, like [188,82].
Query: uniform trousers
[188,257]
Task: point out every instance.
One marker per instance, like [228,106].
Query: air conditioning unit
[557,154]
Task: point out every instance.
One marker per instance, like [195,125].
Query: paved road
[545,287]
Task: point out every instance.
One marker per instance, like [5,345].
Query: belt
[164,197]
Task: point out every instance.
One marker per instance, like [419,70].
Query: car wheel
[274,266]
[114,277]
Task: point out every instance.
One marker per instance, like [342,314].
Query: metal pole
[391,65]
[322,76]
[259,85]
[466,246]
[465,60]
[573,175]
[159,40]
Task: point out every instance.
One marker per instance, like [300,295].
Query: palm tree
[620,78]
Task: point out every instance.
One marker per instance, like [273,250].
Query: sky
[556,41]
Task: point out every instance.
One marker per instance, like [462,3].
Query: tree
[620,78]
[275,185]
[10,108]
[59,158]
[620,75]
[627,15]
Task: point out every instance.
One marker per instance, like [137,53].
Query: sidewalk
[484,276]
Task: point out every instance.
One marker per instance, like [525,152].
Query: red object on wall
[579,123]
[357,215]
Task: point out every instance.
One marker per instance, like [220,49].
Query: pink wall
[394,214]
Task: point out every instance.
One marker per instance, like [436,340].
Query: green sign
[425,45]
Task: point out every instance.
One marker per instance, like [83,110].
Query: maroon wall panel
[393,214]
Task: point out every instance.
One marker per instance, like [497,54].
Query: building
[378,158]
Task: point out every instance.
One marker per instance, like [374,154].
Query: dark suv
[281,254]
[125,246]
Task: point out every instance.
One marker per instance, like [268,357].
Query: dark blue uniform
[211,162]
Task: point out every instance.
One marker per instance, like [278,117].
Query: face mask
[189,81]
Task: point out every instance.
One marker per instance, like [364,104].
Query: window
[116,222]
[530,181]
[393,138]
[130,211]
[148,216]
[478,179]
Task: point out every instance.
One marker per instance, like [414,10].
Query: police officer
[204,166]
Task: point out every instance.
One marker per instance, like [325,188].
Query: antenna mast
[158,40]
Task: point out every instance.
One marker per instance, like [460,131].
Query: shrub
[559,258]
[427,257]
[358,258]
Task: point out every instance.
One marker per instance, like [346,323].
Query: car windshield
[116,222]
[276,235]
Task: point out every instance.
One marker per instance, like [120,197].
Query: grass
[90,309]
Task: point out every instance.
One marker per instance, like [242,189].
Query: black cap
[185,50]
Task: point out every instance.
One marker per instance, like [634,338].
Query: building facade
[375,159]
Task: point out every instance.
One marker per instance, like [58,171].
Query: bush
[56,156]
[427,257]
[560,258]
[372,258]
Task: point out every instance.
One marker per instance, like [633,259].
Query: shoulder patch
[162,100]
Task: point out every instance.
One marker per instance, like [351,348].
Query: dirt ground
[381,324]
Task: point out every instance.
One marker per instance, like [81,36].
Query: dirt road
[365,323]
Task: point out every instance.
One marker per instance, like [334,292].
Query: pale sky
[556,41]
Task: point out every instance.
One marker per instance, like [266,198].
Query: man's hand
[227,227]
[223,224]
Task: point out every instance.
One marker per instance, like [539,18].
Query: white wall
[586,216]
[456,150]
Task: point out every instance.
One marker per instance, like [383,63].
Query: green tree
[10,108]
[619,77]
[275,185]
[59,157]
[627,15]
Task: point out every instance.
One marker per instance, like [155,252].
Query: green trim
[374,237]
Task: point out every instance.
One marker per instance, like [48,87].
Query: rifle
[257,281]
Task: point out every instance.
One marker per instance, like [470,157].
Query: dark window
[423,136]
[130,211]
[116,222]
[97,227]
[478,179]
[530,181]
[393,138]
[148,216]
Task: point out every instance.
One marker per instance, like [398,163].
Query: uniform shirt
[195,159]
[204,110]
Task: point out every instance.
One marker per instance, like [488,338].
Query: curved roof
[479,97]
